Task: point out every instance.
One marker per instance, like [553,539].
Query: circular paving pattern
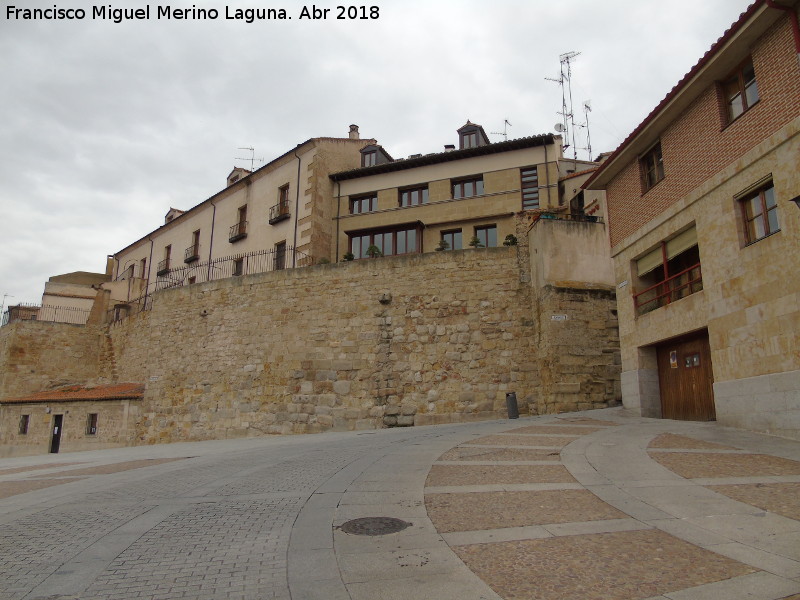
[374,526]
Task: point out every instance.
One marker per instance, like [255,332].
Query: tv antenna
[504,133]
[567,126]
[252,158]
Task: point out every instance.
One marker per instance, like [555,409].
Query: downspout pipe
[149,264]
[338,215]
[296,213]
[795,25]
[211,241]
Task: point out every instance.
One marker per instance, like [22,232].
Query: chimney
[449,147]
[354,132]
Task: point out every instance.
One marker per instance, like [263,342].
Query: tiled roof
[74,393]
[577,174]
[440,157]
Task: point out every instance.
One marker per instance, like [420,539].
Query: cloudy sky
[106,126]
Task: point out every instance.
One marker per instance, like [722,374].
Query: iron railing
[48,314]
[163,267]
[675,287]
[191,254]
[578,218]
[279,212]
[238,231]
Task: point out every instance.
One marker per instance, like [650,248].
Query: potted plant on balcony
[374,252]
[443,245]
[475,242]
[348,256]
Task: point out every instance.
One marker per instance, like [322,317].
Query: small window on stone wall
[24,423]
[91,424]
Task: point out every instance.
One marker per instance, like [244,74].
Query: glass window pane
[401,242]
[491,234]
[456,243]
[772,219]
[758,227]
[387,244]
[769,197]
[751,92]
[411,243]
[479,187]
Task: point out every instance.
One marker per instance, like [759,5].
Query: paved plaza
[591,506]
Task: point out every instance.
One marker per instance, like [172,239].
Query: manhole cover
[374,526]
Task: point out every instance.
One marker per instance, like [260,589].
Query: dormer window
[471,136]
[373,154]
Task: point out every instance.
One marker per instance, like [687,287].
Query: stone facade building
[704,226]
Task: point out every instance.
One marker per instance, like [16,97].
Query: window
[487,236]
[143,268]
[280,212]
[193,252]
[24,423]
[238,267]
[453,239]
[669,272]
[239,231]
[530,188]
[363,204]
[760,213]
[414,196]
[280,256]
[652,167]
[740,90]
[192,280]
[283,194]
[369,159]
[164,266]
[91,424]
[469,140]
[389,242]
[466,188]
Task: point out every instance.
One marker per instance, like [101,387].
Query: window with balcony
[651,164]
[669,272]
[239,230]
[363,204]
[192,253]
[390,242]
[414,196]
[164,266]
[759,213]
[530,188]
[466,188]
[280,211]
[740,90]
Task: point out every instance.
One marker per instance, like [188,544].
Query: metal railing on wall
[252,263]
[48,314]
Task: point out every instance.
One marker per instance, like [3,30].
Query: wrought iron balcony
[163,267]
[279,212]
[191,254]
[238,231]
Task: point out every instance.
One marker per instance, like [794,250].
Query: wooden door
[685,378]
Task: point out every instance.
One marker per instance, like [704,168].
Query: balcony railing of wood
[675,287]
[163,267]
[238,231]
[279,212]
[191,254]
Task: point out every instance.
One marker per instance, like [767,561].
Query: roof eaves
[441,157]
[744,17]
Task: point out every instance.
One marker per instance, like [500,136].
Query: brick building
[705,234]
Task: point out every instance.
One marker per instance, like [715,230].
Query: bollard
[511,405]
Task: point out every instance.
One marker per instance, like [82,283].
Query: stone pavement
[594,505]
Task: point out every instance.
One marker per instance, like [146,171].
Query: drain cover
[374,526]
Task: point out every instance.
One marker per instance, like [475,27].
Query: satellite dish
[560,127]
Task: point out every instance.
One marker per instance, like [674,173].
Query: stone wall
[394,341]
[36,356]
